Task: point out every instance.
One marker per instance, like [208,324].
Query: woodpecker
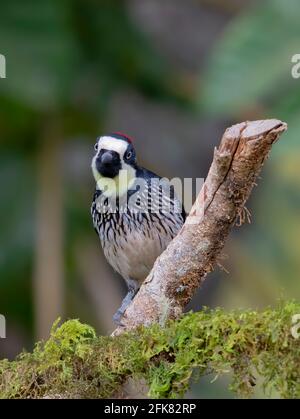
[135,212]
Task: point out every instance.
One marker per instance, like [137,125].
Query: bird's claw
[117,318]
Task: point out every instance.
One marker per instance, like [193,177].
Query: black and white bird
[135,212]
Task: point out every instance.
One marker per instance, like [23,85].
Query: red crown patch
[123,135]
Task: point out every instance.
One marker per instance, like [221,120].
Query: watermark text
[2,67]
[295,330]
[156,196]
[2,327]
[296,66]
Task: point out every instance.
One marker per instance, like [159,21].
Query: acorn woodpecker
[135,212]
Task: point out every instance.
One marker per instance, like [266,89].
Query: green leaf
[36,40]
[253,58]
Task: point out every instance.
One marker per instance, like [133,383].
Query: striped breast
[132,237]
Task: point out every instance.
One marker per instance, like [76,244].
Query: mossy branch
[74,363]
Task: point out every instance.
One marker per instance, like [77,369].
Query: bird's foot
[132,290]
[117,318]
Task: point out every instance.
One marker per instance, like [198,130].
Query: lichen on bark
[75,363]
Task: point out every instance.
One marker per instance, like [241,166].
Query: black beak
[107,158]
[108,163]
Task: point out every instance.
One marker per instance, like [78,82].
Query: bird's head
[114,163]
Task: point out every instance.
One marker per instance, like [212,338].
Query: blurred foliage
[251,65]
[74,363]
[249,74]
[65,59]
[16,239]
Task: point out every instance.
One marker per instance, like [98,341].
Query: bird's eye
[128,155]
[96,147]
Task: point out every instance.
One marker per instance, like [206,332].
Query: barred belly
[132,242]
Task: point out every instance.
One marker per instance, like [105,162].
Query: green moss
[74,362]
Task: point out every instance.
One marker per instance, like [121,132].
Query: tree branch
[74,363]
[183,266]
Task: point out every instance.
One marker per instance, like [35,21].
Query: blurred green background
[171,74]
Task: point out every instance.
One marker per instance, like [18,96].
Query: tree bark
[183,266]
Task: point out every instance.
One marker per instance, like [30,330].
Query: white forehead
[114,144]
